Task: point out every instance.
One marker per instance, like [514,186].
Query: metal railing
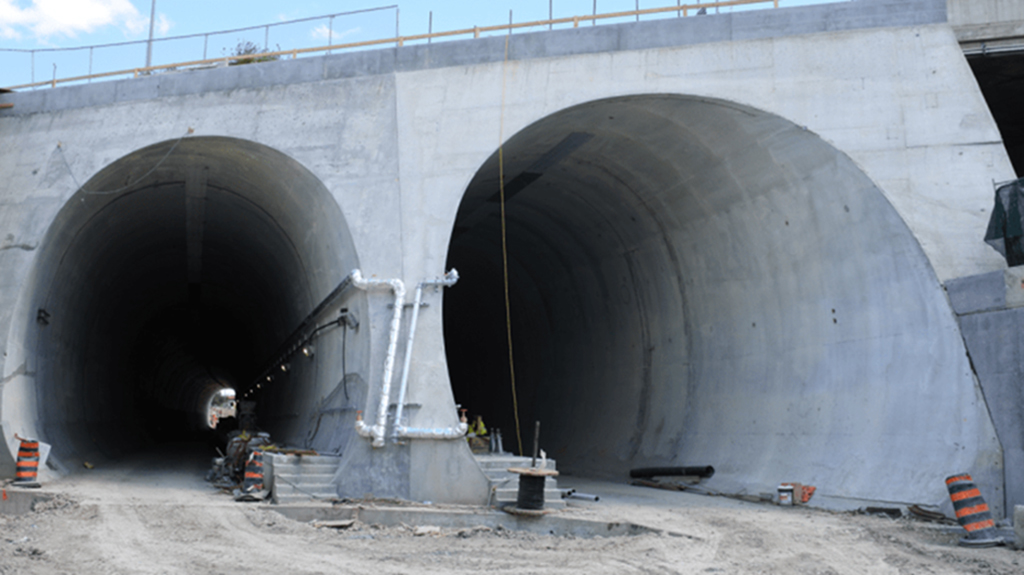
[680,9]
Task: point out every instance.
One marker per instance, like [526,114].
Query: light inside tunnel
[221,405]
[692,282]
[170,278]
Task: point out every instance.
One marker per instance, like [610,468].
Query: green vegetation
[250,53]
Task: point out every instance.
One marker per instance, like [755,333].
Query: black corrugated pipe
[699,471]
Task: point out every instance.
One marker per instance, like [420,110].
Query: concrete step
[497,476]
[300,478]
[505,484]
[318,469]
[504,461]
[306,489]
[285,499]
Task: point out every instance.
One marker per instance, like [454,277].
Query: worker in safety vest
[478,428]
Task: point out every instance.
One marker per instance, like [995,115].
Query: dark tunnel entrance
[692,282]
[173,274]
[1001,79]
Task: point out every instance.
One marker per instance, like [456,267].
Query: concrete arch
[697,282]
[174,271]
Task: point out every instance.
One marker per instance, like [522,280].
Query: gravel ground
[146,517]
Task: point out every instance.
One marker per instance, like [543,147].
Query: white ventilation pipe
[457,432]
[376,431]
[448,280]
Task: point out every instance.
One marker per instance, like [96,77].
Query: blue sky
[47,24]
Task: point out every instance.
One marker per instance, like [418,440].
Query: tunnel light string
[504,249]
[78,185]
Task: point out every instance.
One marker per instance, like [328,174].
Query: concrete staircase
[303,478]
[505,484]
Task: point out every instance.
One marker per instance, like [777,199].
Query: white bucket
[785,495]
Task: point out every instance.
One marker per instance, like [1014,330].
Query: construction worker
[478,428]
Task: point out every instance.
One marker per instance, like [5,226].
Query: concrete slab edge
[551,524]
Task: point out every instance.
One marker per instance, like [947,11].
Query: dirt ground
[145,517]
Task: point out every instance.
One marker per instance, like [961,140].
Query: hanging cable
[78,185]
[504,248]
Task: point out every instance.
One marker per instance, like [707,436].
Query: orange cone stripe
[983,508]
[251,475]
[965,495]
[25,474]
[958,478]
[980,525]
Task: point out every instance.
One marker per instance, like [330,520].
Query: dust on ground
[144,520]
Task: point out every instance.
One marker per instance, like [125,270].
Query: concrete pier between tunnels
[695,282]
[175,272]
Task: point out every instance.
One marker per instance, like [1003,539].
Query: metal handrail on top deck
[401,40]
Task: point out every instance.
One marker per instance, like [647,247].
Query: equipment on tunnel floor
[1005,231]
[28,463]
[252,484]
[702,471]
[530,497]
[972,512]
[495,442]
[573,494]
[786,495]
[246,415]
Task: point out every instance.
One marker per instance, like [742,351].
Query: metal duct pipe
[457,432]
[377,430]
[448,280]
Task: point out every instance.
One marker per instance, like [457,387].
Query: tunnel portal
[173,273]
[692,282]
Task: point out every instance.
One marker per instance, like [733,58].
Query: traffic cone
[253,480]
[972,512]
[28,463]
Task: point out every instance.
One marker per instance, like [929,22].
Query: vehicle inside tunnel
[170,278]
[691,282]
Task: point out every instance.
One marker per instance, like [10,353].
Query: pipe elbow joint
[357,278]
[362,429]
[451,278]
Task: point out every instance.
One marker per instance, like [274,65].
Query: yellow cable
[504,249]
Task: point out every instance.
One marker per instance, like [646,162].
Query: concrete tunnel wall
[699,283]
[892,124]
[175,271]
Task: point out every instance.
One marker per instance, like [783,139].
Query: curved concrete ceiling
[699,283]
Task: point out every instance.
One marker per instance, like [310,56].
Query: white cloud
[163,24]
[44,19]
[323,32]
